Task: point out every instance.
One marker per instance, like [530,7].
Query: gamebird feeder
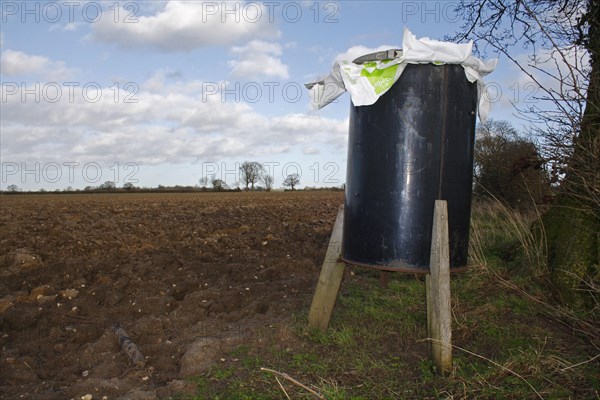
[410,148]
[411,139]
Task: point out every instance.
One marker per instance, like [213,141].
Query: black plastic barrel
[410,148]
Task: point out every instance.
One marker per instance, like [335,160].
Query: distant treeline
[159,189]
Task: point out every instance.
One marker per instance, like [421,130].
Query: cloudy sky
[166,92]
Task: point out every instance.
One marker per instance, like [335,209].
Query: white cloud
[166,125]
[16,63]
[68,27]
[187,25]
[310,150]
[72,26]
[156,83]
[258,59]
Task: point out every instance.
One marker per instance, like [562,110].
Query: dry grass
[523,229]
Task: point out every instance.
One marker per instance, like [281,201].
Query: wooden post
[437,284]
[330,279]
[384,278]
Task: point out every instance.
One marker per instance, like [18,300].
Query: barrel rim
[406,268]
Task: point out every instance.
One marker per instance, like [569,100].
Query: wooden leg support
[330,279]
[384,278]
[439,316]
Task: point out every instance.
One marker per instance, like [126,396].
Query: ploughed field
[188,276]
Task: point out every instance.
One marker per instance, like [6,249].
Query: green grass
[507,345]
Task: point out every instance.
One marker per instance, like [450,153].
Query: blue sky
[165,92]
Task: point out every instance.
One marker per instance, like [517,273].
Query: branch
[551,39]
[289,378]
[477,19]
[530,75]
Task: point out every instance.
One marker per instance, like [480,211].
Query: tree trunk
[572,225]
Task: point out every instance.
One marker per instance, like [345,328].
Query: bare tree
[557,68]
[108,185]
[268,180]
[203,181]
[219,185]
[291,181]
[12,188]
[251,172]
[562,39]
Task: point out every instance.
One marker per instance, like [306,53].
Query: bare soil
[188,276]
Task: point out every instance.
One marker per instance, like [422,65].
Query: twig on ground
[294,381]
[72,316]
[581,363]
[282,388]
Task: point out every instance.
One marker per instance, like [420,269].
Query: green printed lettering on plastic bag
[380,79]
